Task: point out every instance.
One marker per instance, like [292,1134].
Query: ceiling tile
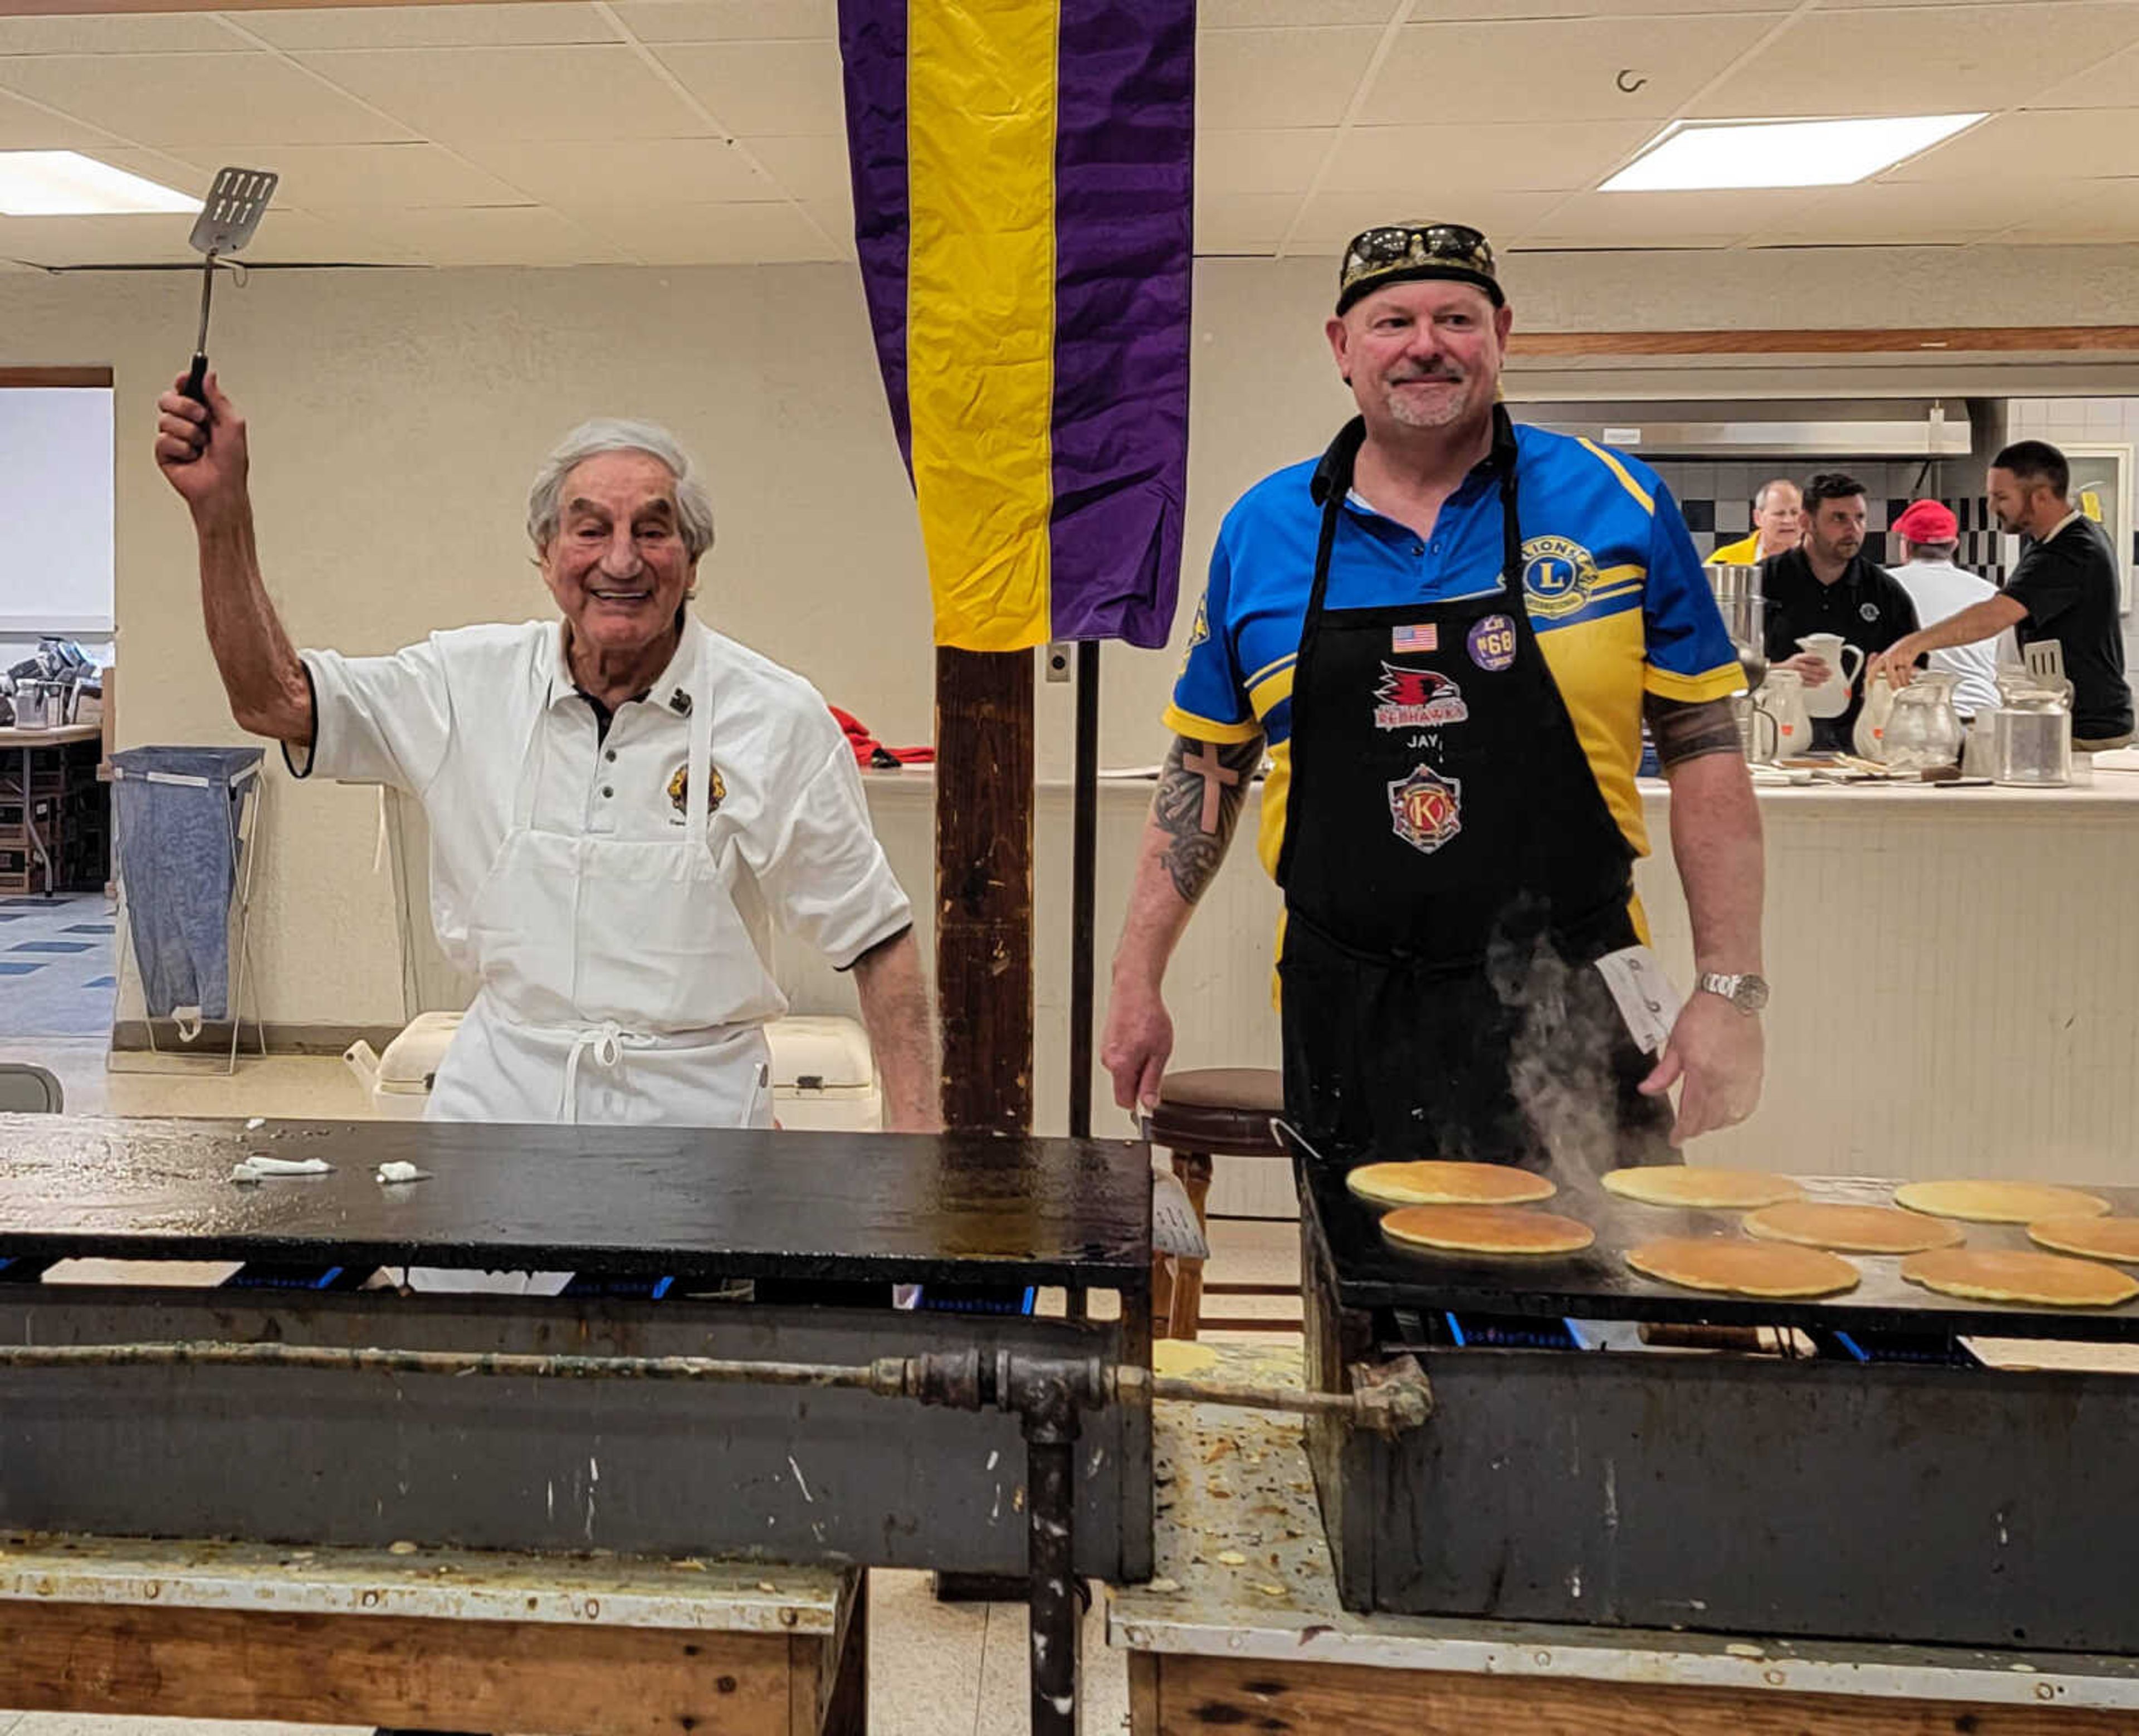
[148,33]
[319,175]
[428,27]
[730,21]
[1242,223]
[628,171]
[1267,161]
[764,87]
[26,126]
[1267,14]
[713,234]
[813,166]
[1330,219]
[2104,211]
[141,240]
[1921,59]
[155,98]
[1559,69]
[2036,142]
[1897,213]
[836,221]
[1541,156]
[1251,79]
[2112,83]
[468,95]
[1664,219]
[494,235]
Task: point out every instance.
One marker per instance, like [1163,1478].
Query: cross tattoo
[1216,777]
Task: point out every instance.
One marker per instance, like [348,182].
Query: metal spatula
[225,224]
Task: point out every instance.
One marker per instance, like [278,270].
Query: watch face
[1752,994]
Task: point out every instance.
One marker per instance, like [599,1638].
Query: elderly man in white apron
[619,800]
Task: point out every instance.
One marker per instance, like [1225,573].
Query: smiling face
[617,564]
[1420,355]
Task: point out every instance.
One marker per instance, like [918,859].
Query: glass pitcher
[1923,729]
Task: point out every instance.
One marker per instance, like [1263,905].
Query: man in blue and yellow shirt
[1446,635]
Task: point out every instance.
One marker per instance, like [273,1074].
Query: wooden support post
[984,806]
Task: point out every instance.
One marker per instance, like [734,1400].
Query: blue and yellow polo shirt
[1610,576]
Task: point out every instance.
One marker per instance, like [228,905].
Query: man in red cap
[1929,534]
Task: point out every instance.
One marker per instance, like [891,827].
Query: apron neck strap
[698,780]
[1331,486]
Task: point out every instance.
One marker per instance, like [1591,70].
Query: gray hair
[694,505]
[1761,498]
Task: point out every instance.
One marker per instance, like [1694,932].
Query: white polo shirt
[458,720]
[1940,589]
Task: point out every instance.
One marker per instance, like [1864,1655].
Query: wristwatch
[1747,993]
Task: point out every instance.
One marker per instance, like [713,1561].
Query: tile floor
[57,966]
[935,1669]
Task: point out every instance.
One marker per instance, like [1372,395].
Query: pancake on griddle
[1485,1229]
[1852,1228]
[1694,1186]
[1997,1275]
[1998,1202]
[2099,1238]
[1447,1183]
[1736,1267]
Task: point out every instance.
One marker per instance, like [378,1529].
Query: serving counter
[1956,972]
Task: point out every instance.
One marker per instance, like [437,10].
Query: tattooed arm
[1193,815]
[1715,1052]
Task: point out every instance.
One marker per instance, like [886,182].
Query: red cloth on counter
[869,753]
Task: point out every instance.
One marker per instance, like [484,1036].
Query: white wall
[56,485]
[396,417]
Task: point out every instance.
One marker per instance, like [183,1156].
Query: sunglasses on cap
[1401,253]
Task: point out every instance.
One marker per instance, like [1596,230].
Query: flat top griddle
[691,1203]
[1598,1284]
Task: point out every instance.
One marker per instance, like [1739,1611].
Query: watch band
[1745,991]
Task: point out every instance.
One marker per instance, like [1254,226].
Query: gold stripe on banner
[980,331]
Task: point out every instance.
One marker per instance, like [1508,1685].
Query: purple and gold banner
[1022,175]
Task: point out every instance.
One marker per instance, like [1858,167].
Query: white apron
[601,960]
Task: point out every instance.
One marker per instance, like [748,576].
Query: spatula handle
[195,387]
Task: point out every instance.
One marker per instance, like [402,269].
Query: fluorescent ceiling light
[1714,154]
[65,183]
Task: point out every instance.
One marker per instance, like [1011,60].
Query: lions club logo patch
[1427,809]
[679,791]
[1417,699]
[1558,575]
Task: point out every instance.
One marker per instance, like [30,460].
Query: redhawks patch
[1417,699]
[1427,809]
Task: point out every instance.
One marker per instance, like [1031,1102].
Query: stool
[1204,1113]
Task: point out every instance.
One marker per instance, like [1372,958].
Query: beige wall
[397,416]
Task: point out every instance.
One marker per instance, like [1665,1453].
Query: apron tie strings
[606,1043]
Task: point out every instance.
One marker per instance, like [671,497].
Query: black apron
[1450,875]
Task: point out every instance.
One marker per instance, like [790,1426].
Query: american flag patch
[1427,637]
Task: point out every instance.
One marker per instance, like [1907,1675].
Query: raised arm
[201,450]
[1193,815]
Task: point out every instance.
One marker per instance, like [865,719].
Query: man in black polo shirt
[1825,585]
[2064,589]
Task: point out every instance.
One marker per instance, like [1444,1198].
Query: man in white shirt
[618,800]
[1929,535]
